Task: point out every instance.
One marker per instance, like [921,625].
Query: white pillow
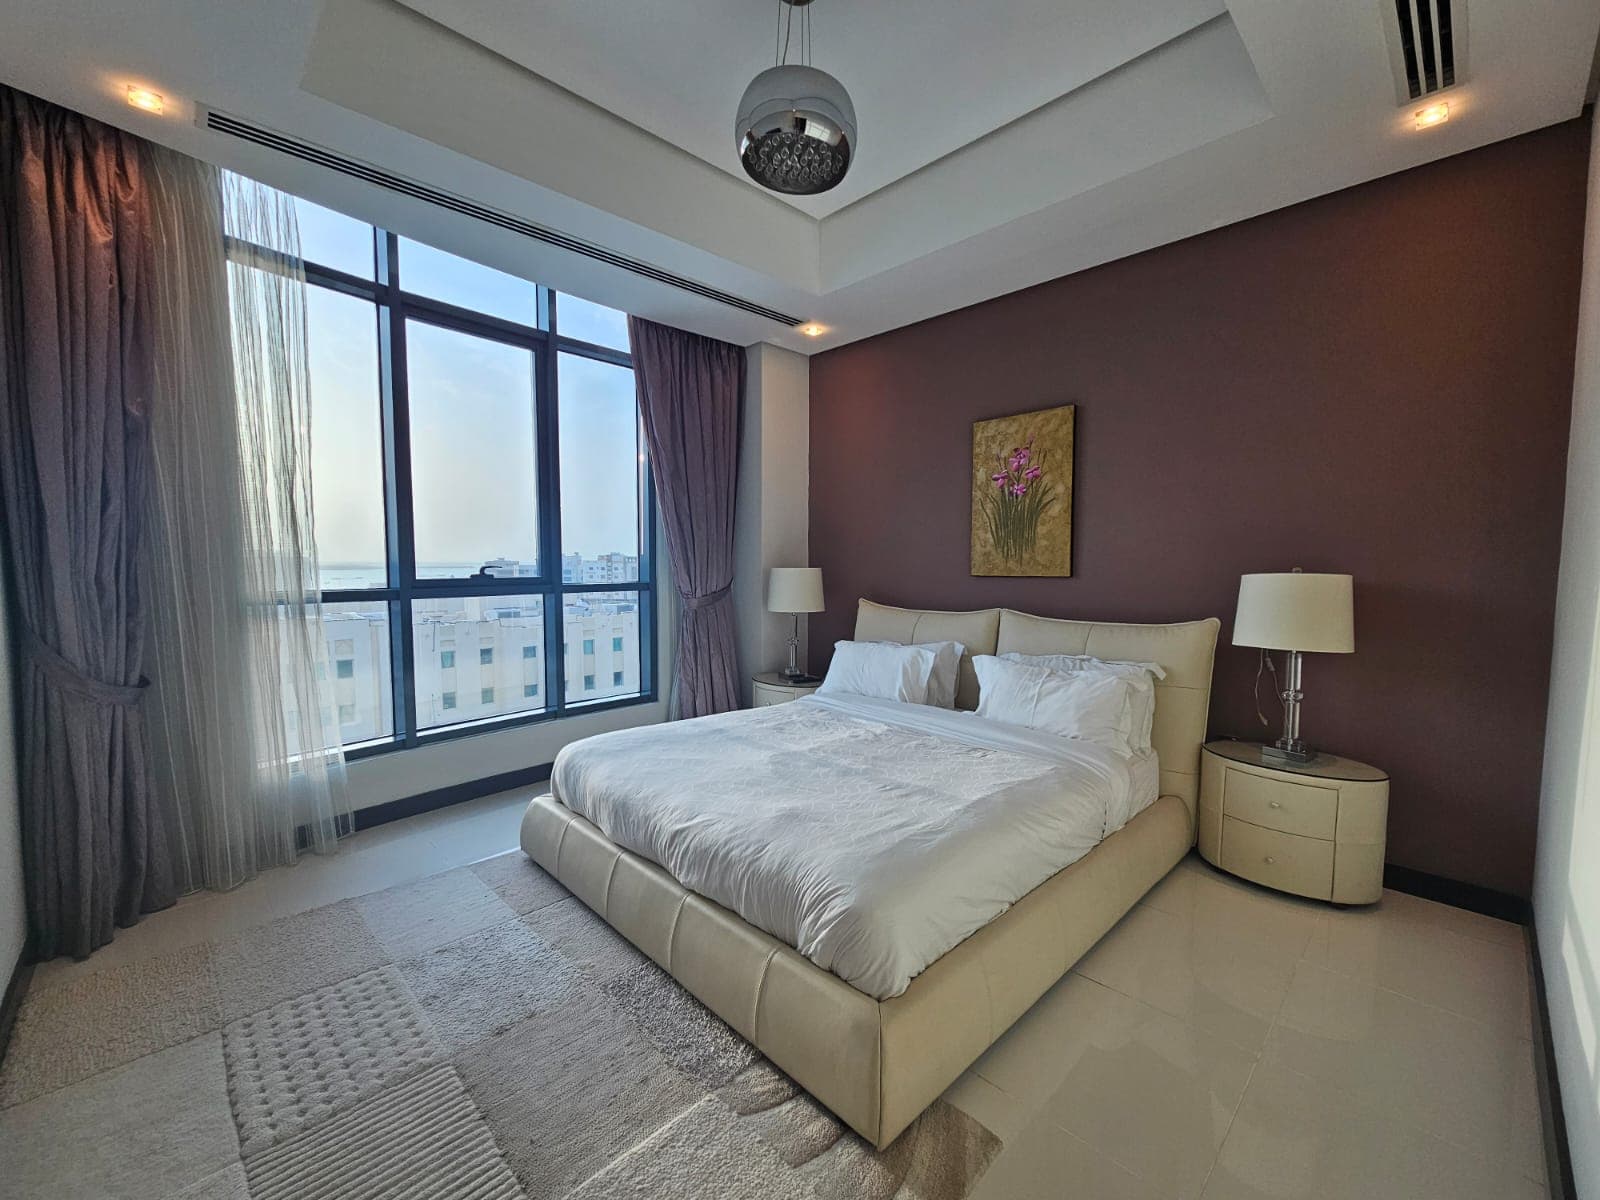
[946,677]
[1142,675]
[881,669]
[1092,706]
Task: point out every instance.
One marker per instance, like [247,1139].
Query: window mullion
[550,548]
[397,500]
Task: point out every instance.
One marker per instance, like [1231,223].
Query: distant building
[509,568]
[480,657]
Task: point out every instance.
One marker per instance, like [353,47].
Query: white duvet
[870,835]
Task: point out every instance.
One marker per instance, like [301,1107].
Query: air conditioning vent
[234,127]
[1427,40]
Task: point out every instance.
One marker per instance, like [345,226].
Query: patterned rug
[479,1033]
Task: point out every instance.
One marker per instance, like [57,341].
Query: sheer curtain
[245,747]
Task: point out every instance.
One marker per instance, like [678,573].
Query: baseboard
[1557,1158]
[1453,892]
[457,793]
[21,973]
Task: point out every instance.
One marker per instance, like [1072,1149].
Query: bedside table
[770,687]
[1315,829]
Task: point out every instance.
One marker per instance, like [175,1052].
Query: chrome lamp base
[1291,747]
[792,672]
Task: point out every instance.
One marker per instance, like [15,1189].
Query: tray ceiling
[1003,143]
[926,78]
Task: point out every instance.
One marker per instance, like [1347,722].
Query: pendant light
[796,128]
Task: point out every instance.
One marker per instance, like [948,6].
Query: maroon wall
[1375,382]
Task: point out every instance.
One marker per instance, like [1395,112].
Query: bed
[877,1035]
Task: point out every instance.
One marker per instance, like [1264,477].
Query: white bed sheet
[870,835]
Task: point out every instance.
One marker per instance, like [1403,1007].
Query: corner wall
[772,520]
[1566,886]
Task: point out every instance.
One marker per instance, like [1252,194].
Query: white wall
[13,915]
[1566,889]
[772,524]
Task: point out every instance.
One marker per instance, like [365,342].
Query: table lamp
[795,590]
[1297,613]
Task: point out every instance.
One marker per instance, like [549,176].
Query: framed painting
[1022,493]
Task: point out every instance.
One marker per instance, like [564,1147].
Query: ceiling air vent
[221,122]
[1427,45]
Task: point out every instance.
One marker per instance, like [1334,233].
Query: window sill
[372,749]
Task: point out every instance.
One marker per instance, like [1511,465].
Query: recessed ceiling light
[1434,114]
[146,99]
[812,329]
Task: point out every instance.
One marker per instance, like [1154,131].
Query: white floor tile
[1463,1080]
[1297,1139]
[999,1112]
[1216,977]
[1151,1093]
[1047,1163]
[1410,951]
[1217,901]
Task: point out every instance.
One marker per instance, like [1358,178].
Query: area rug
[479,1033]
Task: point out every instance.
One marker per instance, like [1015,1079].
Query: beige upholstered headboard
[1185,650]
[909,626]
[1183,698]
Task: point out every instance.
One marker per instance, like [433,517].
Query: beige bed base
[878,1063]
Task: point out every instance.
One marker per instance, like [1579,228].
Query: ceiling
[1002,144]
[681,78]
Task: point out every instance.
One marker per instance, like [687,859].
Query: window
[480,481]
[591,323]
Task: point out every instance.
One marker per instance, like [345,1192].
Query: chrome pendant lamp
[796,129]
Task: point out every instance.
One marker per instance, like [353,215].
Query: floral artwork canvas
[1022,493]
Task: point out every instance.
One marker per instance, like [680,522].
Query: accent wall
[1378,382]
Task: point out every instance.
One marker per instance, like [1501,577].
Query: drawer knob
[1269,860]
[1273,804]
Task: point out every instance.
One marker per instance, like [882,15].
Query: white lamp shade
[795,590]
[1296,611]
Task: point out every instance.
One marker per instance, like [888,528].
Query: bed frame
[878,1063]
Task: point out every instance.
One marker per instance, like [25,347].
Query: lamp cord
[1265,663]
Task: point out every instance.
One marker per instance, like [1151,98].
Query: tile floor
[1222,1043]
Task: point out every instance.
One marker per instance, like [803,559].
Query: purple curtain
[75,337]
[690,392]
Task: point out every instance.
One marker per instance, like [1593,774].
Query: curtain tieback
[706,601]
[69,679]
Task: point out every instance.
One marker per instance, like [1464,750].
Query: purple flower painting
[1022,494]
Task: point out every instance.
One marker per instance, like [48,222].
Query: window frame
[394,307]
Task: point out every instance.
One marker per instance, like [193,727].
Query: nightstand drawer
[1276,804]
[1284,861]
[763,696]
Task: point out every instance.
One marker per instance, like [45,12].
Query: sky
[472,414]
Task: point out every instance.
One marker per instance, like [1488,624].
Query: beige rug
[479,1033]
